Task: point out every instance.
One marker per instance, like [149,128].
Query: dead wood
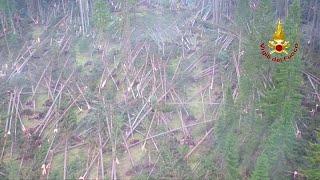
[198,144]
[170,131]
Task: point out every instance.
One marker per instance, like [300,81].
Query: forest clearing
[159,89]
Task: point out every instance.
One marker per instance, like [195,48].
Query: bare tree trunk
[195,147]
[101,155]
[82,17]
[65,159]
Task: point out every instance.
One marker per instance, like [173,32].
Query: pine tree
[262,168]
[232,157]
[281,106]
[256,25]
[226,138]
[228,117]
[277,101]
[313,157]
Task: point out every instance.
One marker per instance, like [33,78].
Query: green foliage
[110,92]
[6,6]
[118,123]
[91,74]
[11,169]
[76,163]
[281,107]
[83,45]
[70,120]
[254,134]
[55,175]
[19,80]
[164,107]
[39,153]
[171,163]
[226,120]
[232,157]
[279,100]
[224,55]
[13,40]
[101,16]
[262,169]
[254,31]
[226,129]
[207,168]
[82,49]
[143,176]
[313,157]
[103,19]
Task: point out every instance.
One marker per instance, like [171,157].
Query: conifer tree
[313,157]
[226,129]
[281,106]
[232,157]
[256,26]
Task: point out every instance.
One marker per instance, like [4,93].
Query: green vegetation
[313,157]
[174,89]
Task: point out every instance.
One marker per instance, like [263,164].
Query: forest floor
[46,59]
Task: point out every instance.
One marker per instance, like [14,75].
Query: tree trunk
[65,159]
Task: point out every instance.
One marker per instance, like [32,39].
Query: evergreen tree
[281,107]
[262,168]
[226,138]
[313,157]
[232,157]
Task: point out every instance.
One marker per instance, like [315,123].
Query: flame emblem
[278,44]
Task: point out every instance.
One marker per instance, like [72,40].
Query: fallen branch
[92,162]
[46,118]
[314,88]
[171,131]
[198,144]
